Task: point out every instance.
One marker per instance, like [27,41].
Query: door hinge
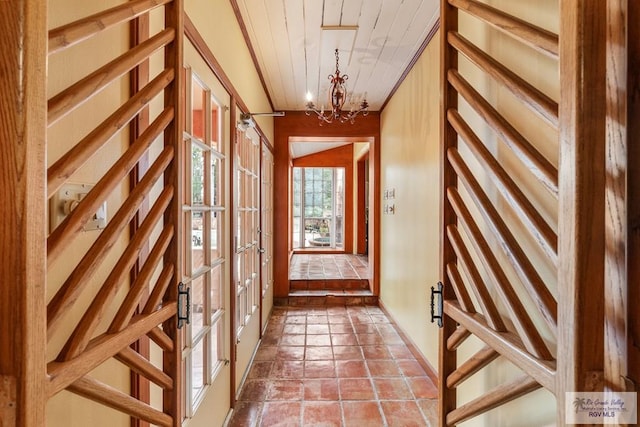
[184,305]
[440,304]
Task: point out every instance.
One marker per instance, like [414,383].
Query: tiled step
[324,297]
[329,284]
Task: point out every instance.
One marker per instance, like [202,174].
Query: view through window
[318,207]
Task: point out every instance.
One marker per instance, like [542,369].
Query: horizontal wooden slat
[517,313]
[527,213]
[131,301]
[113,398]
[498,396]
[538,291]
[484,297]
[457,338]
[142,366]
[538,38]
[507,344]
[535,162]
[476,362]
[86,208]
[533,98]
[67,35]
[81,335]
[459,288]
[59,172]
[63,374]
[78,93]
[70,290]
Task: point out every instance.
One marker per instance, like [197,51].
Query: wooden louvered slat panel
[68,35]
[508,344]
[80,337]
[538,291]
[517,312]
[533,98]
[78,93]
[109,396]
[542,40]
[71,288]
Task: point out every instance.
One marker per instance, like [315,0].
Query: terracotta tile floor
[328,266]
[334,366]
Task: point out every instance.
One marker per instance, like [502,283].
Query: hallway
[335,366]
[328,266]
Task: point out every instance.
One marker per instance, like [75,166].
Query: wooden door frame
[23,107]
[361,205]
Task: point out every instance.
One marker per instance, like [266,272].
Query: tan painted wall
[218,25]
[410,166]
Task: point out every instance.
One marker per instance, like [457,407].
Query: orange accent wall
[297,125]
[341,157]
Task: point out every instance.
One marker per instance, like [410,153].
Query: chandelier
[337,98]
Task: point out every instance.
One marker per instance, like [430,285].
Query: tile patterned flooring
[328,266]
[334,366]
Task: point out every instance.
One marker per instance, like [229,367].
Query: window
[318,207]
[204,259]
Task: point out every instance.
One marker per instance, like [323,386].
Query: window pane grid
[203,221]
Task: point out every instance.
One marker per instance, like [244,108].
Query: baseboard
[413,348]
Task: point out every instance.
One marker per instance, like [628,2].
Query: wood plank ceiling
[294,43]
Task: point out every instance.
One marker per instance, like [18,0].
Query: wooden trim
[139,30]
[254,58]
[622,206]
[80,92]
[361,206]
[498,396]
[174,98]
[23,61]
[507,344]
[538,102]
[447,362]
[581,202]
[68,35]
[233,291]
[430,35]
[538,38]
[411,345]
[633,191]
